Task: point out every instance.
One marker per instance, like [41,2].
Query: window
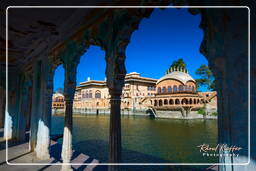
[186,88]
[169,89]
[164,90]
[86,94]
[155,103]
[98,94]
[159,90]
[160,103]
[90,94]
[175,88]
[149,88]
[181,88]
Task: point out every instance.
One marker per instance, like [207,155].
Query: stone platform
[20,154]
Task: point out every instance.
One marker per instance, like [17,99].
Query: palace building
[175,91]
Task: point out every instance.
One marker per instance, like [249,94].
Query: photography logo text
[220,150]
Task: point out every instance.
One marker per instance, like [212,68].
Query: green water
[143,139]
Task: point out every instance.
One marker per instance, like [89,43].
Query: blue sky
[166,36]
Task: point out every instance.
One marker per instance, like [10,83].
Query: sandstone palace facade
[175,91]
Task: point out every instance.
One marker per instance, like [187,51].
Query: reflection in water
[143,139]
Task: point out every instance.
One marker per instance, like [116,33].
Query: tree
[179,64]
[206,77]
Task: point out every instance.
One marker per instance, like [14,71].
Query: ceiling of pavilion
[31,30]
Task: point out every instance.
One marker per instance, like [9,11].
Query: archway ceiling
[31,31]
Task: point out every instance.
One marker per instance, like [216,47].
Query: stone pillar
[115,80]
[11,129]
[36,91]
[115,129]
[41,109]
[225,45]
[23,109]
[70,66]
[2,106]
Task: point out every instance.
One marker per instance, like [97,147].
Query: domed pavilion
[177,91]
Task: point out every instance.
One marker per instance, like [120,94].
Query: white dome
[177,75]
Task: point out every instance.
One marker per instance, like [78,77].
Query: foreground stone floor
[20,154]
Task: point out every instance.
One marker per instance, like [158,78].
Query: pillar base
[43,156]
[66,168]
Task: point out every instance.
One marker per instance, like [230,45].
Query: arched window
[197,101]
[169,89]
[175,88]
[90,94]
[194,101]
[97,94]
[155,104]
[86,94]
[164,90]
[159,90]
[177,101]
[186,88]
[190,101]
[165,102]
[171,102]
[189,88]
[181,88]
[160,103]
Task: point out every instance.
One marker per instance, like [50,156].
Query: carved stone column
[41,109]
[115,128]
[115,81]
[2,106]
[70,66]
[23,108]
[11,129]
[225,45]
[36,91]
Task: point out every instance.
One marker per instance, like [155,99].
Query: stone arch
[184,101]
[160,102]
[98,94]
[165,102]
[194,101]
[171,102]
[190,101]
[155,102]
[177,101]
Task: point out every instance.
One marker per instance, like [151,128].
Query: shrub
[201,111]
[214,114]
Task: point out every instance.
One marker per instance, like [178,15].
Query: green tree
[177,64]
[206,77]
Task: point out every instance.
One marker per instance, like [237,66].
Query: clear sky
[166,36]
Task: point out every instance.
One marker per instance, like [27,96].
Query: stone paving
[20,154]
